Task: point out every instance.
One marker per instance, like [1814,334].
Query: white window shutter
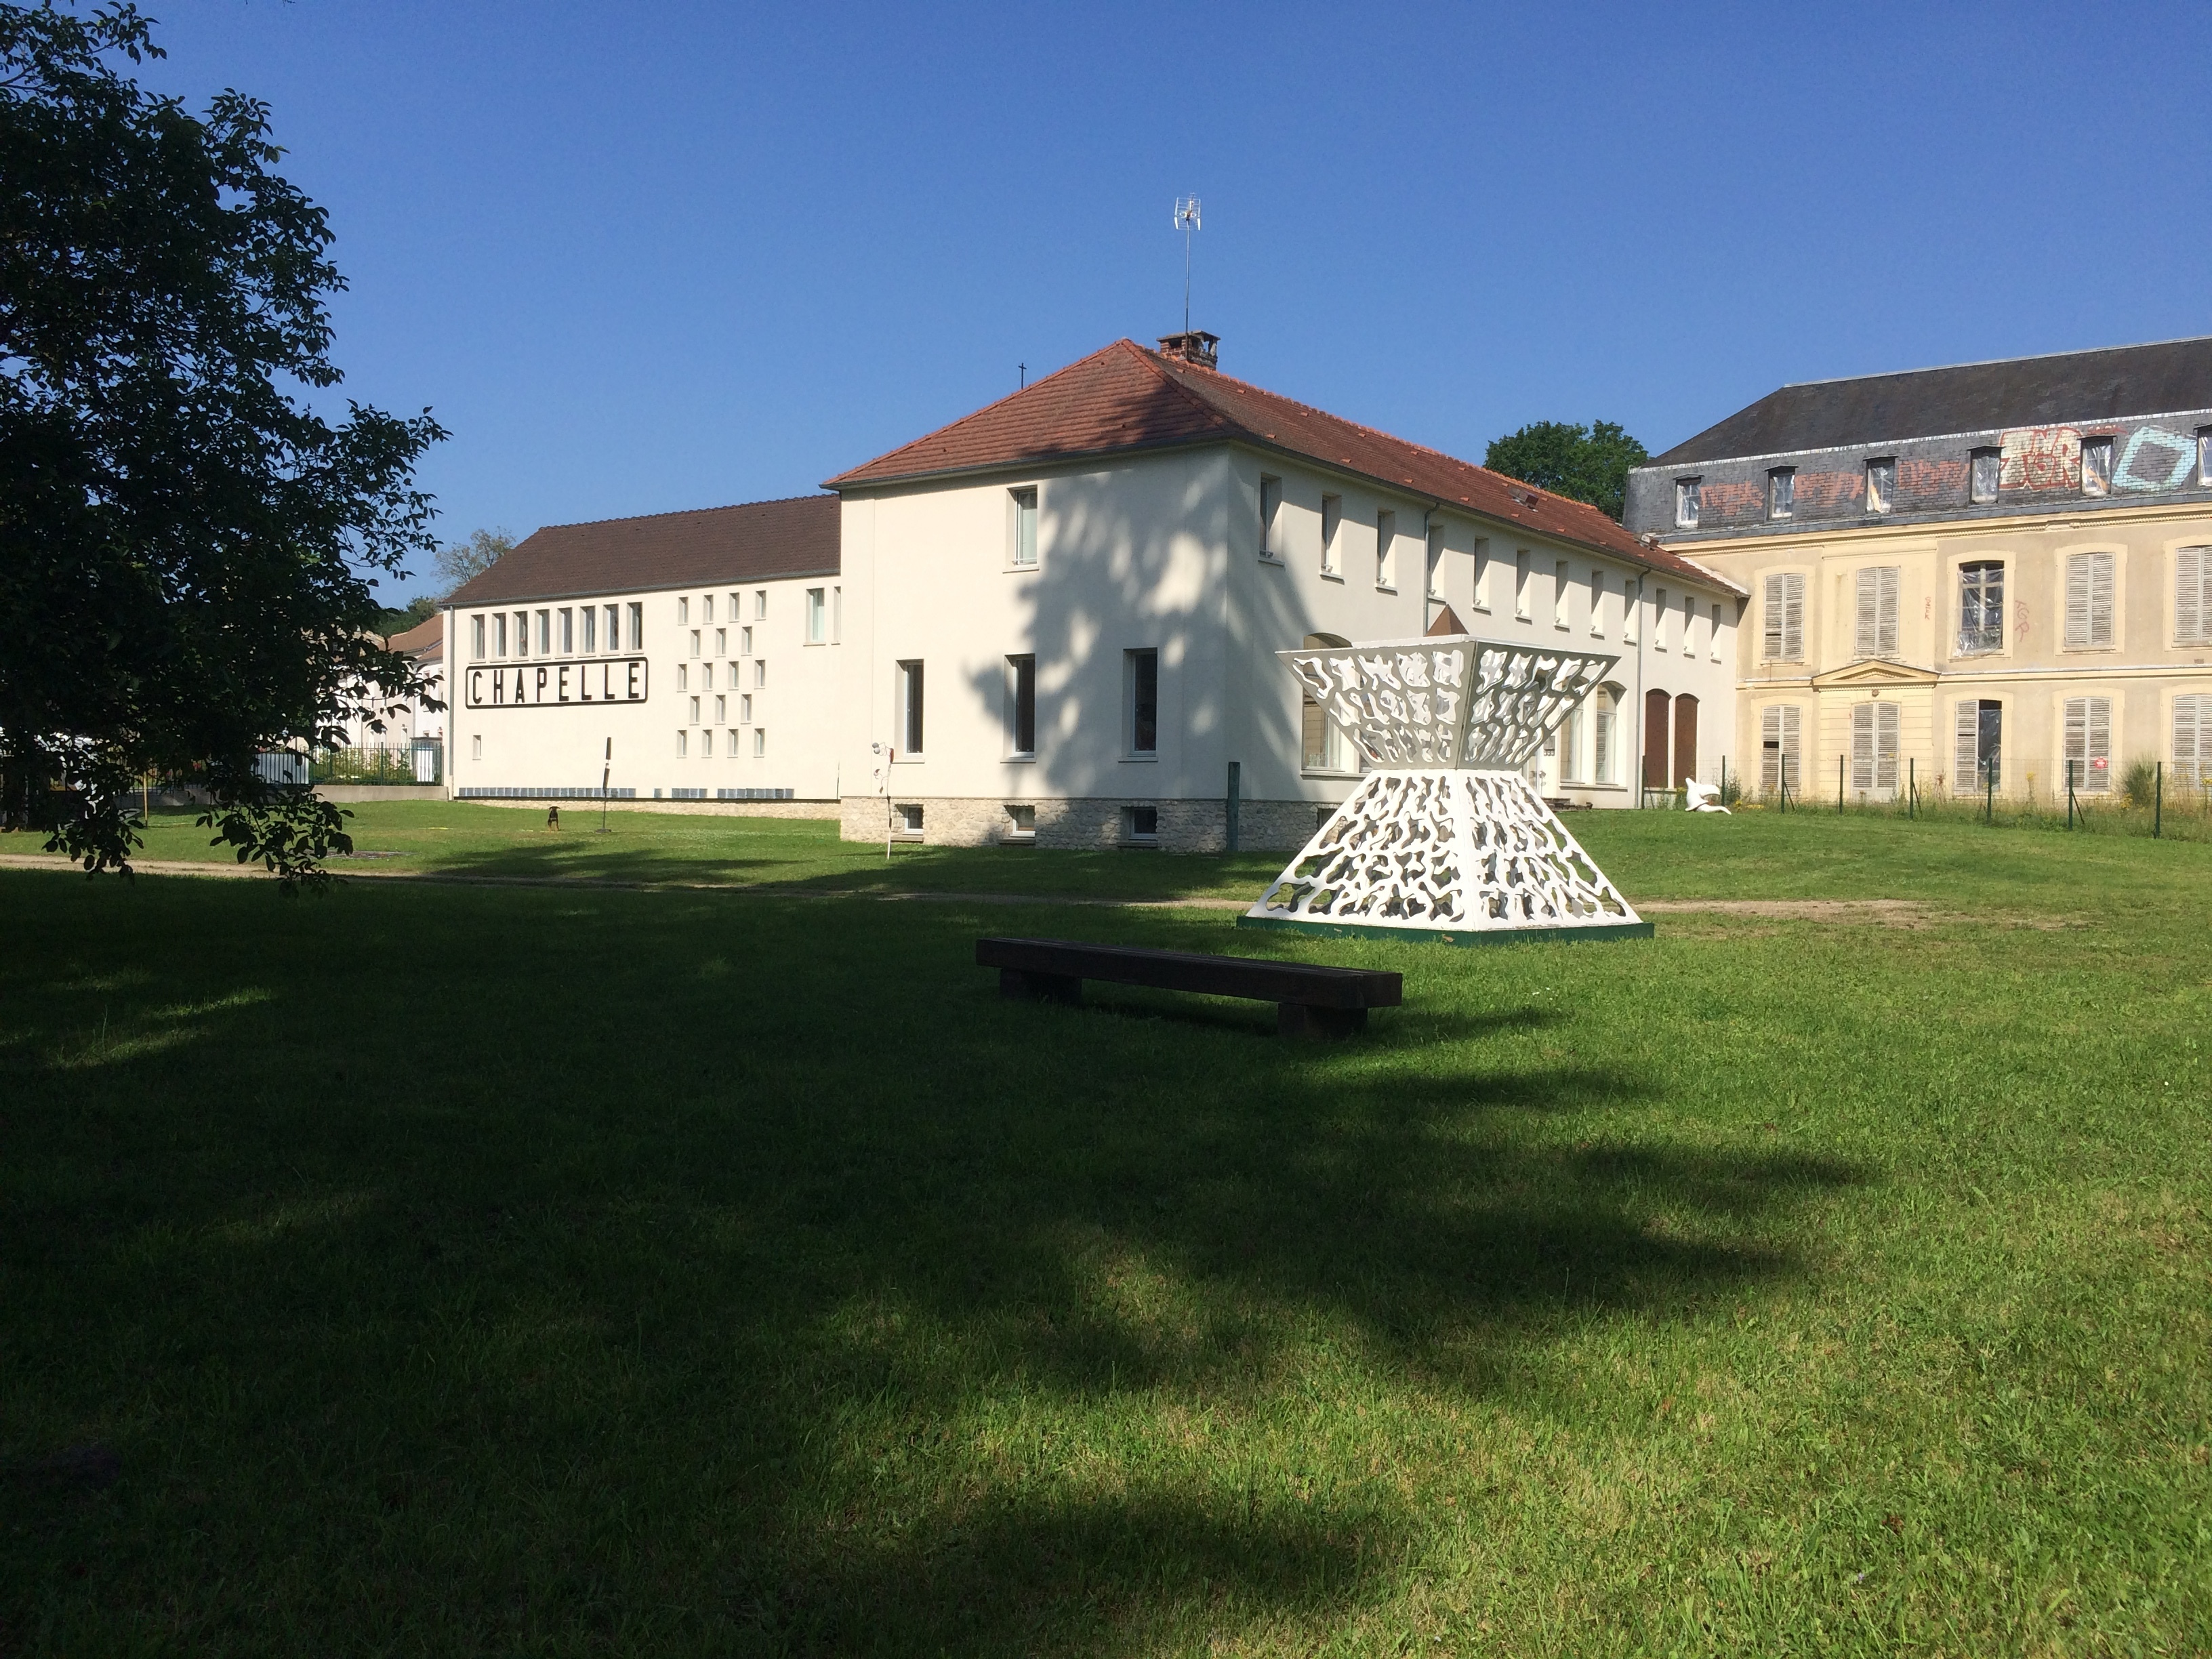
[2077,601]
[2101,742]
[1790,712]
[1885,746]
[1966,745]
[2192,741]
[1864,622]
[1769,745]
[1770,640]
[1793,618]
[2191,569]
[1863,742]
[2100,599]
[1885,632]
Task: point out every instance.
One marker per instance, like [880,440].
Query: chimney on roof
[1196,348]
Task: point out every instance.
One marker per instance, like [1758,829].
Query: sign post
[606,771]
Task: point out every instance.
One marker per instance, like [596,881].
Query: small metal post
[1911,786]
[2158,801]
[606,771]
[1989,806]
[2069,794]
[1724,780]
[1839,785]
[1235,785]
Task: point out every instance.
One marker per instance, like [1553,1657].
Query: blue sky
[640,257]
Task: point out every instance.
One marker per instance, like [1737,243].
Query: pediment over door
[1874,675]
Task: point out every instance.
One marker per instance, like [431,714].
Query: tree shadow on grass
[825,1304]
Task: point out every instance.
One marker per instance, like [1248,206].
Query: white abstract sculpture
[1702,798]
[1446,838]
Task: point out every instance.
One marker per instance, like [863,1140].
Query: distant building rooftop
[758,541]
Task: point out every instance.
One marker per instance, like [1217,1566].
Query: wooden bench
[1310,1001]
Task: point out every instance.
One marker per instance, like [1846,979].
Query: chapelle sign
[539,685]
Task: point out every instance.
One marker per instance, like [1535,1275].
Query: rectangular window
[614,627]
[636,627]
[2204,458]
[683,676]
[695,711]
[1689,500]
[683,743]
[1386,549]
[760,604]
[1141,670]
[1658,619]
[760,671]
[1021,824]
[1874,626]
[1435,574]
[1874,748]
[817,615]
[1713,639]
[722,711]
[476,748]
[1482,574]
[1976,745]
[1689,624]
[1520,585]
[760,741]
[1140,823]
[736,607]
[1605,719]
[1782,637]
[730,742]
[1570,748]
[1562,585]
[1880,485]
[1780,492]
[2192,741]
[2088,601]
[2089,744]
[707,675]
[707,608]
[910,707]
[568,631]
[744,642]
[746,710]
[1597,604]
[836,615]
[475,639]
[522,632]
[2192,595]
[1271,513]
[1021,705]
[721,641]
[1779,764]
[694,642]
[1024,508]
[1983,465]
[1981,607]
[2096,466]
[499,634]
[682,612]
[1332,521]
[590,618]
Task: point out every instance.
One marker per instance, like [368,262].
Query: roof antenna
[1024,368]
[1186,220]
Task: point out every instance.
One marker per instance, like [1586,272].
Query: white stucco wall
[550,742]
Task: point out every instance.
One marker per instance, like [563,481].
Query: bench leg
[1296,1019]
[1039,987]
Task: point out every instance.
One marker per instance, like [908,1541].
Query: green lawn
[572,1268]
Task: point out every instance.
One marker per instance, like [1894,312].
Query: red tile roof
[758,541]
[425,641]
[1125,397]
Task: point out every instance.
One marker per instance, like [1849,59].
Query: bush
[2139,782]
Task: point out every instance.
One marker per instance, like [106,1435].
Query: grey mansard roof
[2068,387]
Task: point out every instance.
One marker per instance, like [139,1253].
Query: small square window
[1021,824]
[1983,466]
[1689,500]
[1141,822]
[910,819]
[1780,492]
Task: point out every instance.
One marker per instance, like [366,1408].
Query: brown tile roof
[1125,397]
[425,641]
[758,541]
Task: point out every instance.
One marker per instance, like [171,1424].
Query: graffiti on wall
[2040,457]
[2154,458]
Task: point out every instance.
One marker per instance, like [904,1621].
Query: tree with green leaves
[465,561]
[187,546]
[1583,463]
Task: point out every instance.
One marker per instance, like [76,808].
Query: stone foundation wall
[1185,826]
[712,809]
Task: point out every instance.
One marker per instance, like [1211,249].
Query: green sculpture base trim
[1596,931]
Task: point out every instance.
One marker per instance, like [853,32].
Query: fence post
[1989,806]
[2158,801]
[1911,786]
[1236,788]
[1724,780]
[1839,785]
[2069,794]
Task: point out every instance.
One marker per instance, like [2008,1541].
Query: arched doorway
[1686,738]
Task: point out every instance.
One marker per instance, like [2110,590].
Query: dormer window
[2096,466]
[1780,492]
[1982,467]
[1688,498]
[1880,485]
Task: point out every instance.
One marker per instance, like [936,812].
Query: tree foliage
[186,547]
[1583,463]
[460,561]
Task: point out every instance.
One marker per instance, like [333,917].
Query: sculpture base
[1472,857]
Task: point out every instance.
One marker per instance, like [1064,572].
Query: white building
[687,656]
[1062,611]
[1054,621]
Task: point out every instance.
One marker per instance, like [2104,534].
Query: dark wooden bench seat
[1310,1001]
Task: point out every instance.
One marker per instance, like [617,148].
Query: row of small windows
[1140,706]
[569,630]
[734,741]
[734,669]
[1874,762]
[1985,470]
[2088,622]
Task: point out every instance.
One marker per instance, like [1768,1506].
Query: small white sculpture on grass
[1702,798]
[1446,837]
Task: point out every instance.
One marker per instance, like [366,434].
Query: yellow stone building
[1996,575]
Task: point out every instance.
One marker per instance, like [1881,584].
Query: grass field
[457,1267]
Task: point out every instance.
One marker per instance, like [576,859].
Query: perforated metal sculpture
[1445,835]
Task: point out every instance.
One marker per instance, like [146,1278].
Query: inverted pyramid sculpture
[1445,836]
